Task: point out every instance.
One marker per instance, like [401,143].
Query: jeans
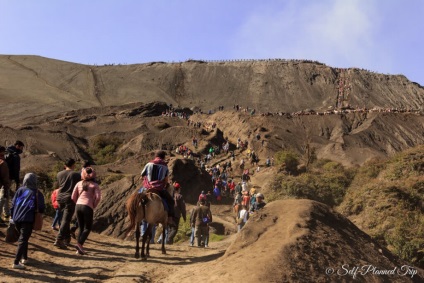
[57,218]
[85,222]
[166,236]
[26,230]
[144,228]
[202,232]
[192,236]
[173,230]
[68,210]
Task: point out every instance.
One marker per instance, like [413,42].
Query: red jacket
[54,199]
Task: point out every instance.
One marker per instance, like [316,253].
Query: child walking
[58,216]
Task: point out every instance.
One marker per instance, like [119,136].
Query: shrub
[288,159]
[103,149]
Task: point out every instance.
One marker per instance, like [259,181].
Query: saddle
[146,197]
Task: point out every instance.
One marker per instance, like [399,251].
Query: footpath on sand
[108,260]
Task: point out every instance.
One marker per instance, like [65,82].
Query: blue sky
[383,36]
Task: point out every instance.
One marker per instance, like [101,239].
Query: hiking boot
[24,261]
[67,242]
[18,266]
[79,249]
[60,244]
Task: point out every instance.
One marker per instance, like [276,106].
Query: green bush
[103,149]
[184,230]
[405,241]
[215,237]
[288,159]
[385,199]
[326,182]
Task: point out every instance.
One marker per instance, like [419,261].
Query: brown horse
[147,206]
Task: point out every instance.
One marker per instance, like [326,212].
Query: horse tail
[133,204]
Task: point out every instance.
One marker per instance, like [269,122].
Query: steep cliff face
[32,85]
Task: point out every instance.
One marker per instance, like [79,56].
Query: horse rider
[155,175]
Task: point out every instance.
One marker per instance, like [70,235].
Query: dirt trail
[107,260]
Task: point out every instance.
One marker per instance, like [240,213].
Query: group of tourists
[76,192]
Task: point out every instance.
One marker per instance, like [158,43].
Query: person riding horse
[155,175]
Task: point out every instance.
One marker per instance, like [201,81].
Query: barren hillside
[32,86]
[116,116]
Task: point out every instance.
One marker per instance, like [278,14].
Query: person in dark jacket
[179,210]
[4,184]
[201,217]
[23,209]
[67,179]
[14,161]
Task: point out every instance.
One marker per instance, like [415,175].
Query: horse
[147,206]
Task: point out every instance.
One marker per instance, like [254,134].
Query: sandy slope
[288,241]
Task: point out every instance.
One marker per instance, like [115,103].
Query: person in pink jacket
[86,196]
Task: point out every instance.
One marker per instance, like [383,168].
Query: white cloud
[339,33]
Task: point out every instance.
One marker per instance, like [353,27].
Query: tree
[287,159]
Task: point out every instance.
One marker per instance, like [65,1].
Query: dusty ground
[108,259]
[288,241]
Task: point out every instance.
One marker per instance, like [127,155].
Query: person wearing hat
[4,184]
[202,196]
[86,195]
[259,204]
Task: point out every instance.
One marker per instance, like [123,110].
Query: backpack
[205,219]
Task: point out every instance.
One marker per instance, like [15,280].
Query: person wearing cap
[155,179]
[4,184]
[202,196]
[67,179]
[259,204]
[86,195]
